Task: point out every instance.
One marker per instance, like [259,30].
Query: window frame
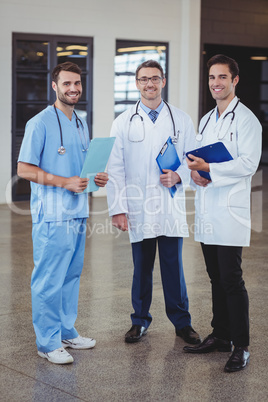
[17,133]
[134,43]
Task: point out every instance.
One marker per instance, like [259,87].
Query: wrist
[205,167]
[62,182]
[178,179]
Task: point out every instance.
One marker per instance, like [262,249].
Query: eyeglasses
[144,80]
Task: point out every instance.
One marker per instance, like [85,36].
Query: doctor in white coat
[140,202]
[222,220]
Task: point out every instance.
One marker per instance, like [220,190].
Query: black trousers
[230,305]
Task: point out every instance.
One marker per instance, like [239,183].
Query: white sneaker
[57,356]
[79,343]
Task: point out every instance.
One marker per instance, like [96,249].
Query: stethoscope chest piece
[61,150]
[198,137]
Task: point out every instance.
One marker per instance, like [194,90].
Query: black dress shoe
[209,344]
[189,335]
[135,333]
[238,360]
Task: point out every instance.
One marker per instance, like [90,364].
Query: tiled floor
[155,369]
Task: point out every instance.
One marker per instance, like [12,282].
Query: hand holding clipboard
[212,153]
[168,159]
[96,160]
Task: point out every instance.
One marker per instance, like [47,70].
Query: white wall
[173,21]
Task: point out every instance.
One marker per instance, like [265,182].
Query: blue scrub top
[40,147]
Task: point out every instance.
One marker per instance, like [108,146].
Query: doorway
[34,57]
[253,84]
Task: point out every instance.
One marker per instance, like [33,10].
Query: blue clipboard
[96,160]
[168,159]
[212,153]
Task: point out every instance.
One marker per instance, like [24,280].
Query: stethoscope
[199,136]
[62,149]
[175,136]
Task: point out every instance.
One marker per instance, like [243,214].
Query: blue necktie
[153,115]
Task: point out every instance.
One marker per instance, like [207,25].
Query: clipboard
[212,153]
[96,160]
[168,159]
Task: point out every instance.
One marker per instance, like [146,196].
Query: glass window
[31,86]
[264,92]
[34,57]
[25,112]
[31,54]
[74,52]
[81,111]
[264,113]
[129,55]
[84,79]
[264,70]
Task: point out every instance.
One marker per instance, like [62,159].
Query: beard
[63,98]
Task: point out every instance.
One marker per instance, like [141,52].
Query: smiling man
[51,157]
[140,202]
[224,204]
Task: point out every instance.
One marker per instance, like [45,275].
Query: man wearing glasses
[140,200]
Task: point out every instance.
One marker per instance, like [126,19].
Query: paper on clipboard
[212,153]
[96,160]
[168,159]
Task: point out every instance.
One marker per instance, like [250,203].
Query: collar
[229,108]
[147,109]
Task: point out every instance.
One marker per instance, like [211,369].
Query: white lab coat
[223,207]
[134,186]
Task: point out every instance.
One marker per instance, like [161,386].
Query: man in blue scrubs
[51,157]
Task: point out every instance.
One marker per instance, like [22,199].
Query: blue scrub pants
[174,286]
[58,252]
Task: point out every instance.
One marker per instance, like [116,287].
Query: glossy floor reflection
[155,369]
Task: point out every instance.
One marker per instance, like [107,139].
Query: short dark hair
[67,66]
[222,59]
[150,64]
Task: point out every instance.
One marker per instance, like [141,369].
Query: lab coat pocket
[235,196]
[135,196]
[231,144]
